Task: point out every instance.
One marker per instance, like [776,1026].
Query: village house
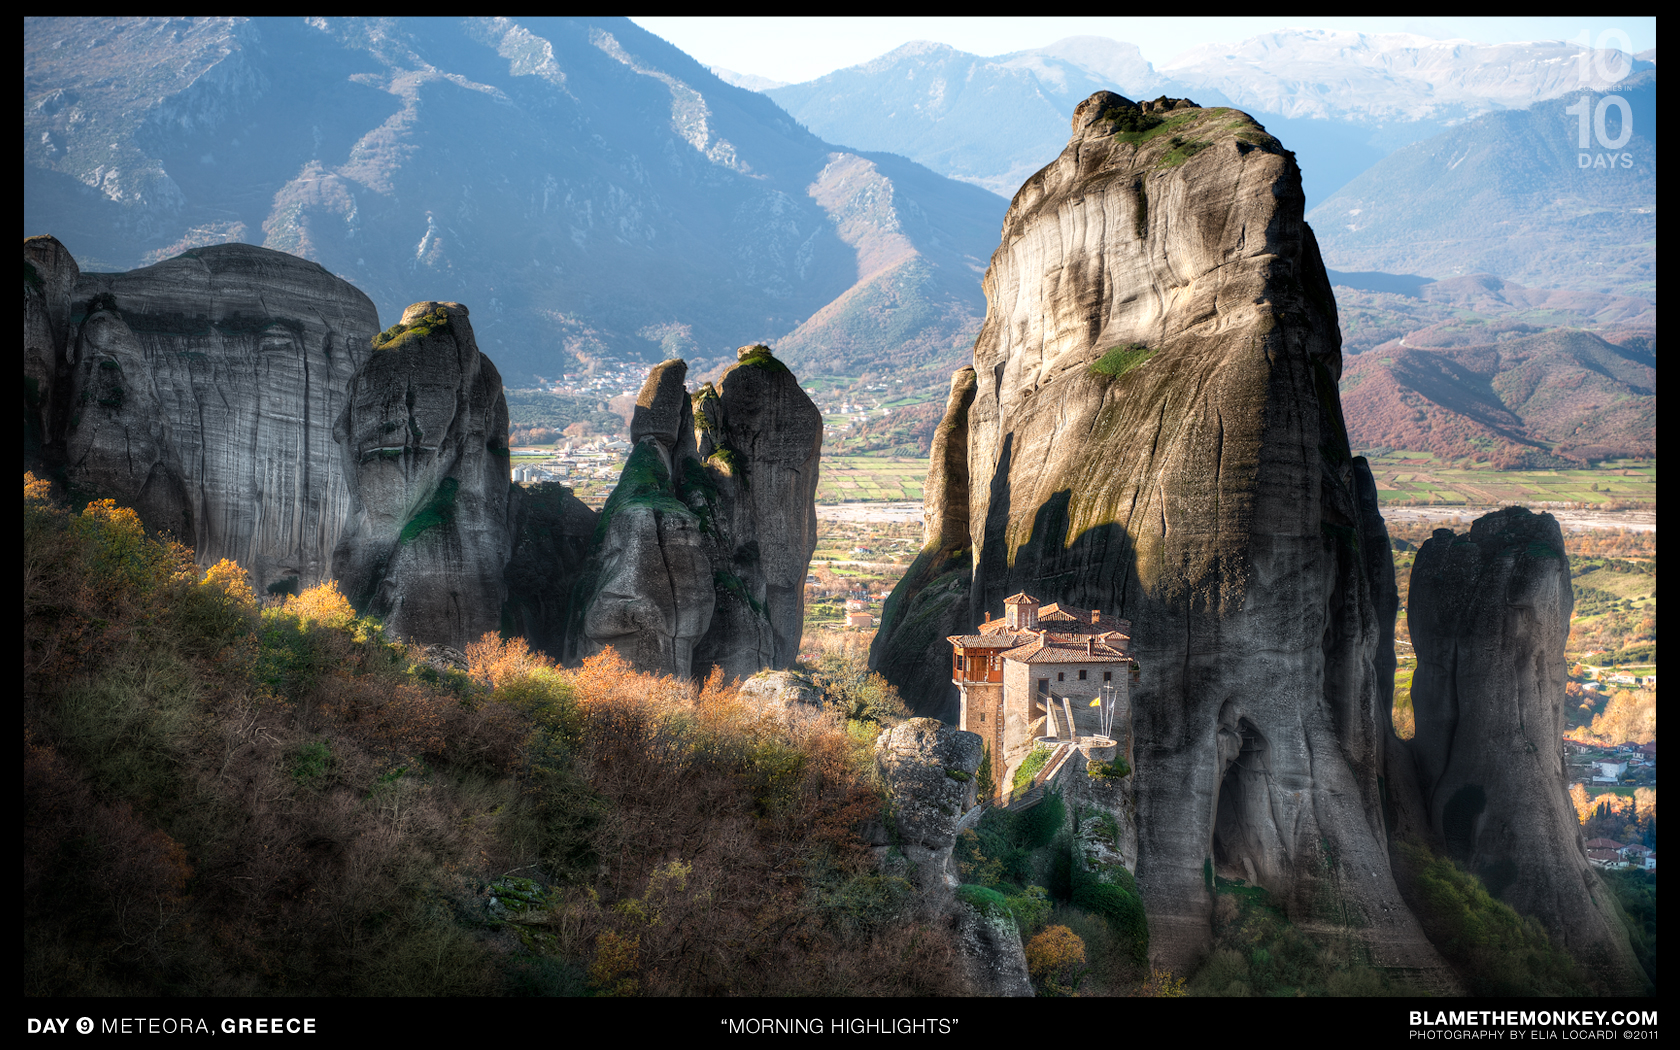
[1605,858]
[1044,675]
[1635,854]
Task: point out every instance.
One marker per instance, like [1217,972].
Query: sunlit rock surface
[202,391]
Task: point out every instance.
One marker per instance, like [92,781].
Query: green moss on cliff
[729,583]
[438,510]
[698,400]
[1121,359]
[393,336]
[1182,150]
[759,356]
[644,482]
[729,462]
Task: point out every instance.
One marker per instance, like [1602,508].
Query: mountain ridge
[643,199]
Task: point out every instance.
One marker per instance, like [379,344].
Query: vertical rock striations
[703,547]
[423,440]
[768,439]
[1156,432]
[234,397]
[201,391]
[552,530]
[1489,614]
[49,279]
[931,603]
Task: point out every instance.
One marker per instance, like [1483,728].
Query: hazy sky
[797,49]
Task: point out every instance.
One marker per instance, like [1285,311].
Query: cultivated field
[849,479]
[1420,478]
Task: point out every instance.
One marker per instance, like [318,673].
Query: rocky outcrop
[789,697]
[931,603]
[992,958]
[423,442]
[1489,614]
[552,530]
[49,279]
[703,547]
[929,769]
[202,392]
[768,438]
[1156,431]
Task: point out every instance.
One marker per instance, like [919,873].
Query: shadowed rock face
[652,589]
[552,530]
[202,392]
[1156,432]
[424,443]
[50,276]
[1489,614]
[932,602]
[704,544]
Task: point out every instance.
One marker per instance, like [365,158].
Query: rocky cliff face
[201,391]
[703,547]
[1156,431]
[931,603]
[1489,613]
[928,769]
[423,442]
[552,530]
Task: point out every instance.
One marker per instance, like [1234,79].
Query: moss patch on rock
[438,510]
[395,335]
[1121,359]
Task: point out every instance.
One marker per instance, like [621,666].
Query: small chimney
[1096,615]
[1090,646]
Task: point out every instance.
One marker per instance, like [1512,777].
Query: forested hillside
[228,798]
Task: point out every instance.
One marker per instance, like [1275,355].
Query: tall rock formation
[931,602]
[202,392]
[1489,614]
[702,549]
[1156,431]
[423,441]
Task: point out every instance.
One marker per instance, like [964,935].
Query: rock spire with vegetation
[423,440]
[702,549]
[1489,614]
[1155,431]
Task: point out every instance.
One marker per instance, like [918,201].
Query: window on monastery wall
[1061,676]
[1081,674]
[1108,676]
